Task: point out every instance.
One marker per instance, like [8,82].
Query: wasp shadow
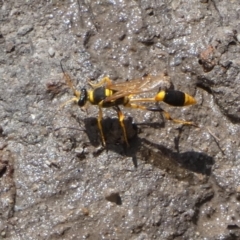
[113,132]
[174,162]
[163,157]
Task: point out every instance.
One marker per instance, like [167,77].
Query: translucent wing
[138,86]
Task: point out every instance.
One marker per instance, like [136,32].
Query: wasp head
[82,98]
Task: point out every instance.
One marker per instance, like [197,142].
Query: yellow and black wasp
[108,94]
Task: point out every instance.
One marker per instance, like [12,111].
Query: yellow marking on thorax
[90,97]
[108,92]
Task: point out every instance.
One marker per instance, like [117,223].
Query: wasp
[107,94]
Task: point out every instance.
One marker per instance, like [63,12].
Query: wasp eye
[83,97]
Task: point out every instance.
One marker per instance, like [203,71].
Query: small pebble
[51,52]
[10,46]
[25,29]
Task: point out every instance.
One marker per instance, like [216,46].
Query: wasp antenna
[67,78]
[61,65]
[62,68]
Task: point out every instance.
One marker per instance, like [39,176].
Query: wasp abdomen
[175,98]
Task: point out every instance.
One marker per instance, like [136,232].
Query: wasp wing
[138,86]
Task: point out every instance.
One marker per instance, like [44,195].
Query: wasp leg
[75,100]
[136,106]
[158,109]
[121,118]
[168,117]
[106,80]
[100,116]
[141,100]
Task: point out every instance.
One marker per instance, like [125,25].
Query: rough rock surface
[174,181]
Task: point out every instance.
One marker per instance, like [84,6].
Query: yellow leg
[142,100]
[75,100]
[100,116]
[168,117]
[158,109]
[106,80]
[160,97]
[121,118]
[135,106]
